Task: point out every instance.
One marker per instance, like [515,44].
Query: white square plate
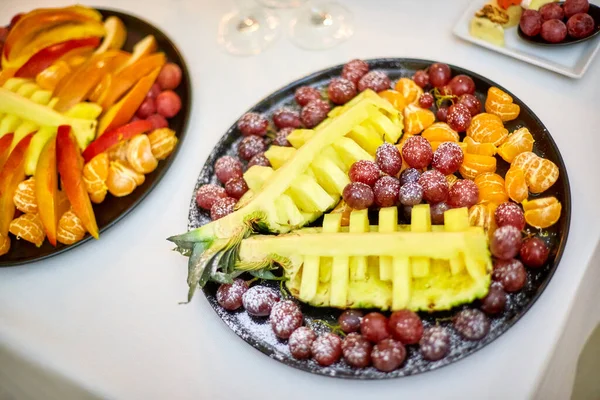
[571,61]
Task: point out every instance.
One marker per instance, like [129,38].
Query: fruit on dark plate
[388,355]
[364,171]
[229,295]
[552,11]
[300,342]
[554,31]
[461,84]
[253,124]
[505,242]
[208,194]
[358,195]
[531,22]
[326,349]
[374,327]
[406,326]
[259,300]
[377,81]
[285,318]
[349,320]
[435,343]
[357,350]
[495,301]
[314,113]
[389,159]
[510,273]
[306,94]
[534,252]
[341,91]
[472,324]
[439,74]
[580,25]
[572,7]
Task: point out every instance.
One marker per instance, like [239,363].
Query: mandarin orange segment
[542,213]
[24,198]
[4,244]
[475,164]
[95,173]
[70,228]
[118,152]
[440,132]
[451,179]
[416,119]
[395,98]
[484,149]
[409,90]
[491,188]
[520,141]
[28,227]
[483,215]
[515,184]
[501,104]
[524,160]
[487,128]
[540,175]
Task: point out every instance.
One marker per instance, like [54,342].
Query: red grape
[411,194]
[306,94]
[505,242]
[510,214]
[326,349]
[300,342]
[495,301]
[208,194]
[314,113]
[349,320]
[374,327]
[259,300]
[426,100]
[357,350]
[386,191]
[534,252]
[442,114]
[280,138]
[437,212]
[364,171]
[417,152]
[236,187]
[146,109]
[229,295]
[251,146]
[341,91]
[464,193]
[168,104]
[389,159]
[253,124]
[421,78]
[472,324]
[154,91]
[471,102]
[377,81]
[409,175]
[461,84]
[435,343]
[448,158]
[388,354]
[439,74]
[554,31]
[285,318]
[169,76]
[406,326]
[510,273]
[580,25]
[227,168]
[286,118]
[551,11]
[572,7]
[158,121]
[358,195]
[259,159]
[435,186]
[354,70]
[222,208]
[531,22]
[459,117]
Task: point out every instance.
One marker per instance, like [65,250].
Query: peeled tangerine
[520,141]
[95,174]
[515,184]
[542,213]
[24,198]
[491,188]
[416,119]
[28,227]
[70,228]
[501,104]
[475,164]
[163,142]
[118,152]
[487,128]
[440,132]
[540,173]
[140,156]
[483,215]
[409,90]
[122,180]
[484,149]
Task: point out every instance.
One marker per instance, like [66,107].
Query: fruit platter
[378,219]
[93,106]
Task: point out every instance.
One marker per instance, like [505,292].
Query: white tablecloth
[105,315]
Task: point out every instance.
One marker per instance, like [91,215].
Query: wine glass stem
[247,22]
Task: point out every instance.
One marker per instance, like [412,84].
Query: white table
[105,315]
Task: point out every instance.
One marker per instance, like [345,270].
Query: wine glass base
[323,27]
[248,33]
[282,3]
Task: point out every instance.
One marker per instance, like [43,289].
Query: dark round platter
[113,209]
[594,12]
[257,331]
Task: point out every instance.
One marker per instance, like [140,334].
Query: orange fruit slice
[475,164]
[487,128]
[483,215]
[524,160]
[540,175]
[4,244]
[440,132]
[501,104]
[416,119]
[516,185]
[395,98]
[520,141]
[484,149]
[95,173]
[542,213]
[70,228]
[24,198]
[163,142]
[491,188]
[28,227]
[409,90]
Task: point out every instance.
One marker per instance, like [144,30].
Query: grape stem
[440,98]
